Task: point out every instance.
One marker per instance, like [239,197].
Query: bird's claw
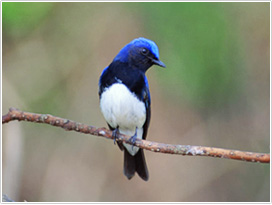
[133,140]
[115,134]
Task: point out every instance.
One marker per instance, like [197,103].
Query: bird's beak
[159,63]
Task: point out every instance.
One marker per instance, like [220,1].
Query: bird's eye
[144,51]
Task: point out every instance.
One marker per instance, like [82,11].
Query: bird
[125,101]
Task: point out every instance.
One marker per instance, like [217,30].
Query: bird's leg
[133,138]
[115,134]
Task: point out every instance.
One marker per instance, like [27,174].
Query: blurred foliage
[200,50]
[202,58]
[20,18]
[217,58]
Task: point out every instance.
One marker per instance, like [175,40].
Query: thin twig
[187,150]
[5,198]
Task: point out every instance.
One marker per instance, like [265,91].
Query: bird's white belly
[122,108]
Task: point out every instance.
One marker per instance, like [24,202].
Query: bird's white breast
[122,108]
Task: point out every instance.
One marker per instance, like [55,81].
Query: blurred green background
[214,92]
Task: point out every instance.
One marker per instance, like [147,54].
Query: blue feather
[123,54]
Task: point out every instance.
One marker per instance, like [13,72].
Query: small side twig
[5,198]
[186,150]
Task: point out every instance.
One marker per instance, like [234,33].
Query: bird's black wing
[147,102]
[138,162]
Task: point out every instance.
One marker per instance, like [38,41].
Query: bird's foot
[115,134]
[133,139]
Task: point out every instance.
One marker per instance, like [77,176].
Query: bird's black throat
[119,72]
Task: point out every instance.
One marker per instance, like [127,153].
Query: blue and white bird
[125,99]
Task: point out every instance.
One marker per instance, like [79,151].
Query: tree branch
[188,150]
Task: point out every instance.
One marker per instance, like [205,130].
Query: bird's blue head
[141,53]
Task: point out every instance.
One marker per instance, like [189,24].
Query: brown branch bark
[187,150]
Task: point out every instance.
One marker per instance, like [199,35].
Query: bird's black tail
[134,164]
